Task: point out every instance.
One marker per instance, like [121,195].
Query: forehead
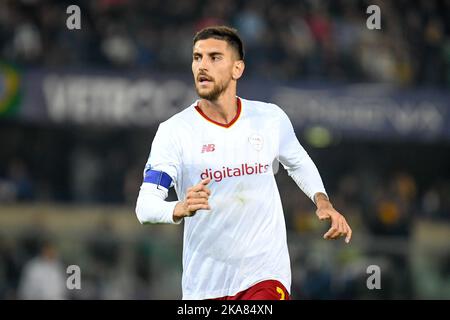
[211,45]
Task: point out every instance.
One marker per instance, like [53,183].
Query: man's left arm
[304,172]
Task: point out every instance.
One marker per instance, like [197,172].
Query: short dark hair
[225,33]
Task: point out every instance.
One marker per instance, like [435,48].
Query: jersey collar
[224,125]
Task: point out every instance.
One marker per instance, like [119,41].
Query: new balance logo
[208,148]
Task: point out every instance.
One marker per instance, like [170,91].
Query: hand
[196,199]
[339,226]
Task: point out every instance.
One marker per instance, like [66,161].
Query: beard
[214,93]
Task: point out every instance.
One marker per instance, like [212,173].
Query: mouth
[203,79]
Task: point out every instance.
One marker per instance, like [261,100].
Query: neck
[221,110]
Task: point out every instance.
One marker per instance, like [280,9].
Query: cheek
[224,73]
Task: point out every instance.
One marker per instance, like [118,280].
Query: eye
[197,58]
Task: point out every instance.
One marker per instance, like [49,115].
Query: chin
[204,94]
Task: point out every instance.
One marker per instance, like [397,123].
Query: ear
[238,69]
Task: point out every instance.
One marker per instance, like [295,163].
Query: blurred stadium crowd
[385,187]
[284,39]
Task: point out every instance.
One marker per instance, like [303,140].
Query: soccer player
[220,154]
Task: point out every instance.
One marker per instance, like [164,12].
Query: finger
[205,181]
[201,206]
[349,234]
[338,230]
[206,190]
[336,234]
[343,228]
[200,187]
[328,234]
[331,231]
[192,201]
[198,194]
[196,188]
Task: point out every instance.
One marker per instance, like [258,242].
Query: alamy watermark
[374,280]
[73,21]
[74,279]
[374,20]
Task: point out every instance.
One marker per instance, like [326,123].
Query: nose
[203,64]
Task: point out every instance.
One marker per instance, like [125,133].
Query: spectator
[43,277]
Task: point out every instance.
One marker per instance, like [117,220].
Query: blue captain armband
[159,178]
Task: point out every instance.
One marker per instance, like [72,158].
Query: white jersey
[242,239]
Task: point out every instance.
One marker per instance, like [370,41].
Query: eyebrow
[214,53]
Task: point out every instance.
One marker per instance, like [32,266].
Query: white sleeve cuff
[151,206]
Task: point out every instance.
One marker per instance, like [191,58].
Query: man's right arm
[151,206]
[160,174]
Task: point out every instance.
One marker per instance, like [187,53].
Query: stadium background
[79,109]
